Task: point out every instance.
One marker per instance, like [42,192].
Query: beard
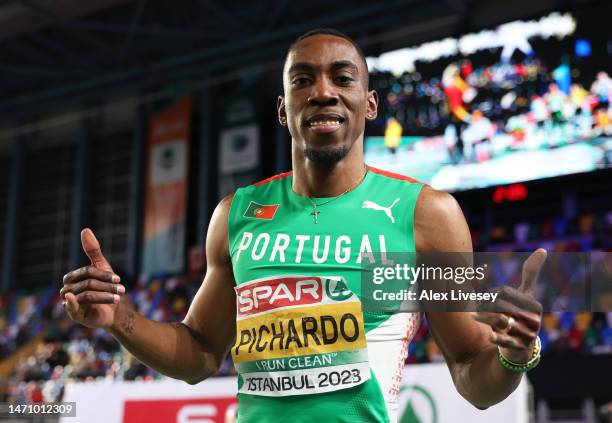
[326,156]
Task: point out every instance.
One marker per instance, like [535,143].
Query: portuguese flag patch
[261,211]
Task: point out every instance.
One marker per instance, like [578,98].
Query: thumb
[531,270]
[91,246]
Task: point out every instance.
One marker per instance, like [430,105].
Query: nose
[323,93]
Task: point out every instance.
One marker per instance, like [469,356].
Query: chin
[326,155]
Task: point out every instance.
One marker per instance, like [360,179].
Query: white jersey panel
[387,351]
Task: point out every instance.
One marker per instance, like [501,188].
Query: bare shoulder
[221,214]
[439,224]
[217,242]
[225,204]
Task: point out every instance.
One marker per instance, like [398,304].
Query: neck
[316,180]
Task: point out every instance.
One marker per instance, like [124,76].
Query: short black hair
[336,33]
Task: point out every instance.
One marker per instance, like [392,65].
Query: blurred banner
[426,395]
[239,157]
[239,149]
[239,154]
[165,401]
[166,190]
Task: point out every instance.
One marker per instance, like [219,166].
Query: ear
[280,106]
[372,106]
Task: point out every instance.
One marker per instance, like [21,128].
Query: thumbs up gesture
[91,293]
[516,328]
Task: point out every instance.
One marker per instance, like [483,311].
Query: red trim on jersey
[370,168]
[393,175]
[273,178]
[394,389]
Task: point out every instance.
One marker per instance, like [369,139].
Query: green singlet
[305,350]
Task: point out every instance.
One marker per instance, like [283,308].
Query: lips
[325,122]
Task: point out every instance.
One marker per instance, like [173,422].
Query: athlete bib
[299,335]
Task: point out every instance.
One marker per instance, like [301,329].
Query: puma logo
[372,205]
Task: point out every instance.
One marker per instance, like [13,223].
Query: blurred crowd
[68,352]
[486,110]
[563,332]
[585,232]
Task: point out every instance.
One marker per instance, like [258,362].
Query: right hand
[91,293]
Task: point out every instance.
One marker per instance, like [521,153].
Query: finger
[506,341]
[498,321]
[71,305]
[531,269]
[90,272]
[522,333]
[522,300]
[92,285]
[531,321]
[499,306]
[93,297]
[91,246]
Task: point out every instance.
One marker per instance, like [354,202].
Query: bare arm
[467,345]
[195,348]
[191,350]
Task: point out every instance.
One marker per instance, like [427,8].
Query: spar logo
[270,294]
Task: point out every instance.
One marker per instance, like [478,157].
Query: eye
[344,79]
[300,80]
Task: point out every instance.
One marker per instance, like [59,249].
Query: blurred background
[135,117]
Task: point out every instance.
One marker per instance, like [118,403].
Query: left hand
[517,342]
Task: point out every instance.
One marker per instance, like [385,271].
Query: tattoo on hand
[128,322]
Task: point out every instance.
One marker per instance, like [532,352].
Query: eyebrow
[339,64]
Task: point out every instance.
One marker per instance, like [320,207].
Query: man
[393,135]
[284,264]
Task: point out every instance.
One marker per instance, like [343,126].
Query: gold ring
[509,325]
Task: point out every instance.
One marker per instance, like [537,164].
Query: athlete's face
[326,101]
